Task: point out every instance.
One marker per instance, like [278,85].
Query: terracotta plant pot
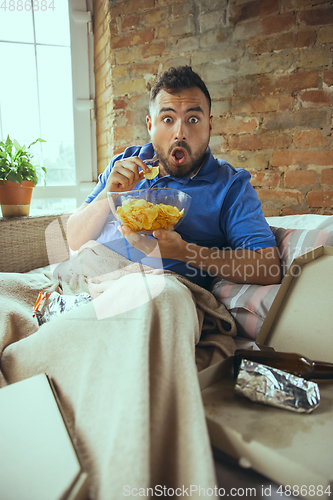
[14,198]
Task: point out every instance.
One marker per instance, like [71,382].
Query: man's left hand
[165,244]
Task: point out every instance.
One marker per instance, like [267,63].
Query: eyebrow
[197,109]
[165,110]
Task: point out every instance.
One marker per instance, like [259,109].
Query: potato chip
[153,172]
[143,216]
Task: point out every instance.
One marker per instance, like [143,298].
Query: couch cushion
[294,242]
[249,304]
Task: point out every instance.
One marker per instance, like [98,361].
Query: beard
[192,164]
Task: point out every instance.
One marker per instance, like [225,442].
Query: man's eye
[167,119]
[193,119]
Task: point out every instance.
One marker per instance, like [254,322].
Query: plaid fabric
[249,304]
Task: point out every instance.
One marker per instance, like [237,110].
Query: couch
[30,243]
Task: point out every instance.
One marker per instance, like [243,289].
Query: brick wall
[268,66]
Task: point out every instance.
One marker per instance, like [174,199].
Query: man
[224,233]
[124,364]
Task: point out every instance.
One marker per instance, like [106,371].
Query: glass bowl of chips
[146,210]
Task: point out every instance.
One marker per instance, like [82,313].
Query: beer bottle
[289,362]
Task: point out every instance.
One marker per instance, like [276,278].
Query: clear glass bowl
[144,218]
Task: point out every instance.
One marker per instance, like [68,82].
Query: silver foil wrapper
[263,384]
[52,304]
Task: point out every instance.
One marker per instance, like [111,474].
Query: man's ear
[149,123]
[210,123]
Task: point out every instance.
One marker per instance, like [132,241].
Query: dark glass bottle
[289,362]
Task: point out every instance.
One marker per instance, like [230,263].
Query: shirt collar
[208,171]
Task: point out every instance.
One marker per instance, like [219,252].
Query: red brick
[119,71]
[320,199]
[260,141]
[264,104]
[118,149]
[129,87]
[285,158]
[265,178]
[156,16]
[130,22]
[133,117]
[325,34]
[130,7]
[235,125]
[138,38]
[119,104]
[327,176]
[153,50]
[328,77]
[304,39]
[303,118]
[183,9]
[290,82]
[243,86]
[299,4]
[305,139]
[266,44]
[139,102]
[122,134]
[249,10]
[271,212]
[315,58]
[315,98]
[314,17]
[280,197]
[298,178]
[144,69]
[278,23]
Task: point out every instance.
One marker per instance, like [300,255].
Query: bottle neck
[322,370]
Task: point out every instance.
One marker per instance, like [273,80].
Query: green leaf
[37,140]
[17,146]
[16,162]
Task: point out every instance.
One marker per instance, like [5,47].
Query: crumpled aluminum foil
[52,304]
[263,384]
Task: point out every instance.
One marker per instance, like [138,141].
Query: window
[47,91]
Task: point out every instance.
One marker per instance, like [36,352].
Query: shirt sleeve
[243,220]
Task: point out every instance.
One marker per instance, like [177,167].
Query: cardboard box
[288,448]
[37,459]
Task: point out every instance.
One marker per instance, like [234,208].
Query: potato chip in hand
[153,172]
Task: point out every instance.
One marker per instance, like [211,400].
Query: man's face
[179,127]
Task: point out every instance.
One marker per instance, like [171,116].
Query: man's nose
[180,132]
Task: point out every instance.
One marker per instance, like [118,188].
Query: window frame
[84,115]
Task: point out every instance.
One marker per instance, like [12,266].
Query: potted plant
[18,177]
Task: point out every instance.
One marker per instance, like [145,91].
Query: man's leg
[128,386]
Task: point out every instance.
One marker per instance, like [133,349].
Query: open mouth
[178,156]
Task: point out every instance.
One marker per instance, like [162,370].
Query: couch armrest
[28,243]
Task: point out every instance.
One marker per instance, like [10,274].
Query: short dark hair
[177,79]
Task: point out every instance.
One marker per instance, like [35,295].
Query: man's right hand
[87,222]
[125,174]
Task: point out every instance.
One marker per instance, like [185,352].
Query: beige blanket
[123,366]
